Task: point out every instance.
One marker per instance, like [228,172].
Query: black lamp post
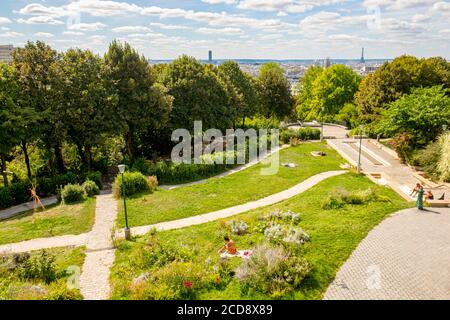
[127,229]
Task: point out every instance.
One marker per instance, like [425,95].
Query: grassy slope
[64,257]
[235,189]
[334,235]
[55,220]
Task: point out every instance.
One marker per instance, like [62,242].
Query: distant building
[362,57]
[210,56]
[6,53]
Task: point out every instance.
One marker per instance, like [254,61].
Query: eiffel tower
[362,57]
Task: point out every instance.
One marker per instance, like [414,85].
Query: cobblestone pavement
[407,256]
[94,279]
[231,211]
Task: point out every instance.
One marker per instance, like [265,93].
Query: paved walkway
[407,256]
[94,279]
[13,211]
[228,212]
[377,160]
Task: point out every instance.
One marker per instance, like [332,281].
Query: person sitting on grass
[429,195]
[229,247]
[415,190]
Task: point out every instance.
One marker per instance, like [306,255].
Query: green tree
[396,78]
[141,103]
[198,95]
[274,92]
[332,89]
[87,110]
[14,118]
[39,78]
[243,92]
[305,93]
[420,114]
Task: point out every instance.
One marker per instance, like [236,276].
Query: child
[229,247]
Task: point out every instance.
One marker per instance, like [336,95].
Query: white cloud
[398,4]
[224,31]
[219,1]
[87,26]
[169,26]
[11,34]
[282,14]
[40,20]
[291,6]
[4,20]
[73,33]
[44,35]
[131,29]
[442,6]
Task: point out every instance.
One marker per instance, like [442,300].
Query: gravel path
[407,256]
[94,279]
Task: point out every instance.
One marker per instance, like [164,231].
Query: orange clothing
[230,246]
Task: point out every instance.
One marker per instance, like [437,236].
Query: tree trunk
[243,121]
[27,159]
[129,141]
[4,174]
[59,159]
[88,150]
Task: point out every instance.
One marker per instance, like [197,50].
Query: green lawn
[16,287]
[238,188]
[334,234]
[53,221]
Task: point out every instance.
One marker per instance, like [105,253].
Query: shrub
[20,192]
[90,188]
[444,159]
[5,198]
[58,291]
[72,193]
[152,182]
[239,228]
[272,271]
[343,197]
[135,182]
[38,268]
[177,280]
[96,177]
[286,234]
[287,135]
[162,255]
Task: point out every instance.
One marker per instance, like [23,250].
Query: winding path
[407,256]
[231,211]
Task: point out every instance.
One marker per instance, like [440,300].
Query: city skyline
[235,29]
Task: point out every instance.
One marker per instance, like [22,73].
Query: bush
[239,228]
[38,268]
[177,280]
[5,198]
[72,193]
[50,185]
[90,188]
[286,234]
[288,135]
[343,197]
[272,271]
[96,177]
[58,291]
[135,182]
[20,192]
[152,182]
[171,173]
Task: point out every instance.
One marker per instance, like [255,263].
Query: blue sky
[271,29]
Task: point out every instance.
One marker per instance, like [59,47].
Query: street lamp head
[121,168]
